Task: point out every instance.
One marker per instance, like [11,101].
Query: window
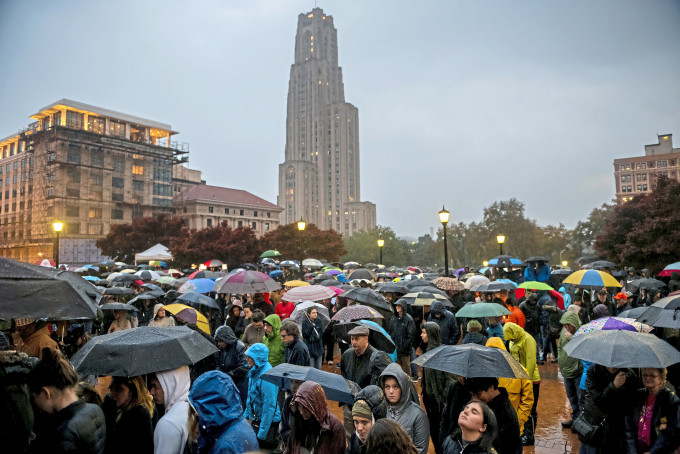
[138,185]
[117,182]
[269,214]
[73,175]
[96,179]
[72,212]
[118,164]
[160,174]
[625,178]
[97,158]
[72,227]
[642,187]
[137,170]
[115,197]
[162,189]
[254,214]
[209,222]
[14,178]
[641,177]
[266,226]
[640,166]
[210,209]
[96,124]
[96,195]
[72,192]
[254,225]
[73,156]
[162,202]
[116,214]
[240,223]
[662,163]
[94,213]
[95,229]
[226,211]
[74,120]
[240,213]
[116,128]
[184,210]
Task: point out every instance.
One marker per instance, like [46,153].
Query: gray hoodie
[172,431]
[407,413]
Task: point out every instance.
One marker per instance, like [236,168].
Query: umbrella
[620,348]
[189,315]
[646,283]
[669,269]
[337,290]
[534,285]
[413,283]
[610,323]
[665,313]
[591,279]
[276,273]
[329,282]
[289,263]
[355,312]
[362,273]
[358,282]
[270,253]
[393,287]
[91,278]
[160,263]
[351,266]
[151,287]
[197,298]
[298,283]
[472,360]
[119,291]
[377,336]
[213,263]
[479,310]
[633,313]
[124,278]
[148,275]
[308,293]
[128,271]
[142,297]
[368,297]
[140,351]
[332,272]
[117,307]
[247,281]
[537,258]
[476,280]
[312,263]
[493,287]
[206,274]
[603,264]
[448,283]
[197,285]
[504,261]
[299,314]
[563,271]
[336,387]
[425,299]
[507,281]
[46,262]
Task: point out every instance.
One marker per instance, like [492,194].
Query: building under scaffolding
[85,166]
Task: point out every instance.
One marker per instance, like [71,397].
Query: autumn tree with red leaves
[316,243]
[232,246]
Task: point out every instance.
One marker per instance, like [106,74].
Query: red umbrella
[213,263]
[336,290]
[519,293]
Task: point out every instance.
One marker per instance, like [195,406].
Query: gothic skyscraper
[319,180]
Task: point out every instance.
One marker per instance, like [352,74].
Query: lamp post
[381,243]
[501,240]
[565,263]
[58,227]
[444,219]
[301,228]
[485,263]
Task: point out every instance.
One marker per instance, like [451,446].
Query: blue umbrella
[276,273]
[91,278]
[336,387]
[507,281]
[342,277]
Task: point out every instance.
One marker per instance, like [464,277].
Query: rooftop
[203,192]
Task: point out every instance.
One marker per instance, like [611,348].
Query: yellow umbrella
[189,315]
[296,283]
[592,279]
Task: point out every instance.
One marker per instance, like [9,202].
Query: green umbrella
[534,285]
[270,253]
[479,310]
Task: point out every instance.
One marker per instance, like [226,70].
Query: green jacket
[273,341]
[569,367]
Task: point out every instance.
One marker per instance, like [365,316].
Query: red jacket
[516,316]
[284,309]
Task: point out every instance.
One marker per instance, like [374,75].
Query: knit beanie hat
[362,410]
[600,311]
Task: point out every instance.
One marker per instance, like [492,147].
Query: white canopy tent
[157,252]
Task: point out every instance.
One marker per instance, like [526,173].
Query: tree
[232,246]
[362,247]
[311,243]
[644,232]
[124,240]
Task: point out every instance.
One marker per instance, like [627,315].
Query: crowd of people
[222,404]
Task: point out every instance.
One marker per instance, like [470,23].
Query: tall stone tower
[319,180]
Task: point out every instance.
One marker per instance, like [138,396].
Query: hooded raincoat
[375,398]
[522,348]
[324,434]
[450,333]
[407,413]
[569,367]
[232,360]
[235,322]
[165,321]
[435,387]
[273,341]
[222,426]
[262,402]
[402,329]
[171,432]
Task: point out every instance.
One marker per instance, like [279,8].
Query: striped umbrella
[308,293]
[591,279]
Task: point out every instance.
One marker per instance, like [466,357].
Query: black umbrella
[537,258]
[495,286]
[362,273]
[117,307]
[647,284]
[633,313]
[119,291]
[102,283]
[142,297]
[31,291]
[152,287]
[665,313]
[140,351]
[125,278]
[620,348]
[377,336]
[561,272]
[472,360]
[336,387]
[413,283]
[393,287]
[586,259]
[329,282]
[192,298]
[368,297]
[603,264]
[155,293]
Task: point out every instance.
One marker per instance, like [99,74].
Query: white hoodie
[171,432]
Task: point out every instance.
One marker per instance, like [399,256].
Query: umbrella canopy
[117,307]
[592,279]
[356,312]
[351,265]
[603,264]
[298,283]
[362,273]
[448,283]
[299,314]
[368,297]
[142,297]
[124,278]
[196,298]
[609,323]
[328,282]
[534,285]
[425,299]
[148,275]
[308,293]
[479,310]
[312,263]
[247,281]
[669,269]
[337,290]
[206,274]
[289,263]
[140,351]
[337,388]
[393,287]
[633,313]
[377,336]
[213,263]
[46,262]
[151,287]
[160,263]
[504,261]
[493,287]
[332,272]
[276,273]
[472,360]
[561,272]
[91,278]
[413,283]
[119,291]
[475,281]
[619,348]
[647,284]
[197,286]
[270,253]
[189,315]
[665,313]
[537,258]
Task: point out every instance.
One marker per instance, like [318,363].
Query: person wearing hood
[402,409]
[486,389]
[516,315]
[370,405]
[674,283]
[570,368]
[33,337]
[216,420]
[532,318]
[520,390]
[312,333]
[402,329]
[447,322]
[160,318]
[262,407]
[170,389]
[235,321]
[272,339]
[315,429]
[566,297]
[523,349]
[435,385]
[232,359]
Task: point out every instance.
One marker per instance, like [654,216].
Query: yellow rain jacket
[522,348]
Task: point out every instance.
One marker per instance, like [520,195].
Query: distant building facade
[88,167]
[635,176]
[204,206]
[319,181]
[184,178]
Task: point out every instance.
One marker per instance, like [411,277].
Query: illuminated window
[138,170]
[94,213]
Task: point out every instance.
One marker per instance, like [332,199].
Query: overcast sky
[461,103]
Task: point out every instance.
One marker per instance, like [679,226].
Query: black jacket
[296,352]
[131,434]
[236,323]
[364,369]
[16,413]
[475,338]
[312,333]
[79,428]
[232,360]
[532,314]
[402,330]
[667,406]
[355,446]
[447,323]
[456,399]
[507,440]
[452,445]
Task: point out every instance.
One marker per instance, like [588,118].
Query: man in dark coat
[260,303]
[532,316]
[674,284]
[232,359]
[401,329]
[296,351]
[486,389]
[447,323]
[622,303]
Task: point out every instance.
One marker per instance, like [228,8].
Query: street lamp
[58,227]
[501,240]
[485,263]
[444,219]
[301,228]
[565,263]
[381,243]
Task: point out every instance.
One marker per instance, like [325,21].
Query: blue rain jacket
[262,395]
